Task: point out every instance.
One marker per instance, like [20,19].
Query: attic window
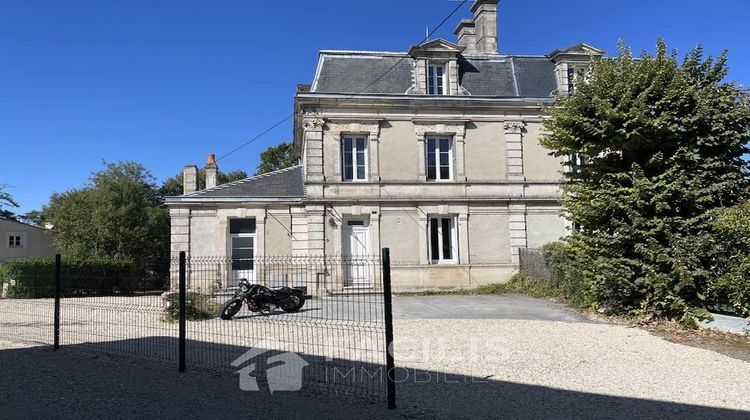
[436,79]
[573,74]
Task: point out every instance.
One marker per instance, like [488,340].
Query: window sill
[444,263]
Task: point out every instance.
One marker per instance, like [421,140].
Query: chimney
[189,179]
[212,172]
[485,21]
[466,33]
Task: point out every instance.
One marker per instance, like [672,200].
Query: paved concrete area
[726,323]
[369,308]
[482,307]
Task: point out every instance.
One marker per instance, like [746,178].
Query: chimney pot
[212,171]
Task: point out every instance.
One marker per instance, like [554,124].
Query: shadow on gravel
[39,382]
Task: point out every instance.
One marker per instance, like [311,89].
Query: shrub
[562,261]
[730,291]
[34,277]
[199,306]
[522,285]
[655,147]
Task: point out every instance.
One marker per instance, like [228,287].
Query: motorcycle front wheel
[230,308]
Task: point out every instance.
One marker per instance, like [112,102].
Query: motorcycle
[262,299]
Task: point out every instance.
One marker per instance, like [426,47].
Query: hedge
[34,277]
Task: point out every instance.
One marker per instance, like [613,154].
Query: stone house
[433,153]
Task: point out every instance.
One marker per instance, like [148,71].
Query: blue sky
[166,82]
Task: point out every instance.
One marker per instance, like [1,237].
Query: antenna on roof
[426,33]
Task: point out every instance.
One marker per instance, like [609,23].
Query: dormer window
[436,79]
[574,73]
[435,68]
[572,64]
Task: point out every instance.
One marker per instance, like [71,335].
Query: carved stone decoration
[312,122]
[514,127]
[337,127]
[457,128]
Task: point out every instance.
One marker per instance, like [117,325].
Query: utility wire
[266,131]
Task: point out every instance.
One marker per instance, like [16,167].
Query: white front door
[243,258]
[356,251]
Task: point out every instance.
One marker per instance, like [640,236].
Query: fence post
[390,380]
[183,310]
[56,339]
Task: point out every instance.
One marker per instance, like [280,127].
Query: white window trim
[22,237]
[443,84]
[355,162]
[441,237]
[451,158]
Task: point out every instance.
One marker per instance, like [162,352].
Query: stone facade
[501,187]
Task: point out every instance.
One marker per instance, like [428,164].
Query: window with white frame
[436,79]
[15,240]
[354,158]
[443,239]
[439,157]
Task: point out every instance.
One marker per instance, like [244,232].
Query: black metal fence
[336,342]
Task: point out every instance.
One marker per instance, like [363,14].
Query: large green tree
[173,186]
[276,157]
[655,147]
[117,215]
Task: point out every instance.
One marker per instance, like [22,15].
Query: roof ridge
[7,219]
[241,181]
[362,52]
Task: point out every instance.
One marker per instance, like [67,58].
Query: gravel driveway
[542,364]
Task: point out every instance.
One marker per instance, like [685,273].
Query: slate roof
[285,183]
[501,76]
[353,73]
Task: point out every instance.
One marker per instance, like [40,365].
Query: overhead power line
[377,79]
